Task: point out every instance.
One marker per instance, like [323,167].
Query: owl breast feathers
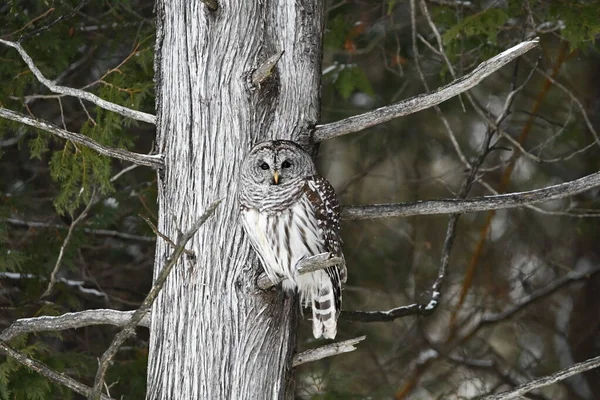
[290,213]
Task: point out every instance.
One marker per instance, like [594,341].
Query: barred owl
[290,213]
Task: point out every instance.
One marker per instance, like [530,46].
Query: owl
[290,213]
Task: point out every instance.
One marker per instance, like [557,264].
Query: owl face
[277,162]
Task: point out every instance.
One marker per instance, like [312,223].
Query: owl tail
[323,312]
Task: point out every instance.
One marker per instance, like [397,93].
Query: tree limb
[423,101]
[546,380]
[154,161]
[304,266]
[129,328]
[82,94]
[72,320]
[329,350]
[48,372]
[473,204]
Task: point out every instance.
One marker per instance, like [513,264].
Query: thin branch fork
[82,94]
[473,204]
[329,350]
[304,266]
[129,329]
[421,102]
[154,161]
[546,380]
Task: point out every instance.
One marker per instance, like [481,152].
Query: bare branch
[326,351]
[72,320]
[140,313]
[82,94]
[100,232]
[423,101]
[546,380]
[154,161]
[61,253]
[304,266]
[473,204]
[69,282]
[48,372]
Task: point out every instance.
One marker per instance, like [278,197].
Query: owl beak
[276,177]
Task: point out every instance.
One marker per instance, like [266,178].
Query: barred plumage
[290,213]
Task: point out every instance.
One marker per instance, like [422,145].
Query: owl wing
[327,212]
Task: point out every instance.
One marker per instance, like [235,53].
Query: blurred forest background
[521,298]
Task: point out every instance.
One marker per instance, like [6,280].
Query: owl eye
[286,164]
[264,166]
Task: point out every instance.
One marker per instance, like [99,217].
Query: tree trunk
[213,335]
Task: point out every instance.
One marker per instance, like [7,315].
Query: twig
[129,329]
[423,101]
[163,236]
[546,380]
[61,253]
[304,266]
[82,94]
[48,372]
[69,282]
[473,204]
[326,351]
[101,232]
[72,320]
[154,161]
[52,23]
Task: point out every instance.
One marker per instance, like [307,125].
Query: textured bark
[213,335]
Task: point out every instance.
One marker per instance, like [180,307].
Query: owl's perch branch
[546,380]
[154,161]
[82,94]
[304,266]
[129,329]
[329,350]
[473,204]
[423,101]
[48,372]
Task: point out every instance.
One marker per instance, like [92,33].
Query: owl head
[276,162]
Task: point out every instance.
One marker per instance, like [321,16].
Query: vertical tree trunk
[212,335]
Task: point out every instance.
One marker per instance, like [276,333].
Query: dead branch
[304,266]
[473,204]
[72,320]
[82,94]
[329,350]
[546,380]
[129,328]
[154,161]
[421,102]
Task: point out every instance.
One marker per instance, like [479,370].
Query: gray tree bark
[213,335]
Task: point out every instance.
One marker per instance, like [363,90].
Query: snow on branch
[329,350]
[473,204]
[72,320]
[154,161]
[546,380]
[423,101]
[82,94]
[304,266]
